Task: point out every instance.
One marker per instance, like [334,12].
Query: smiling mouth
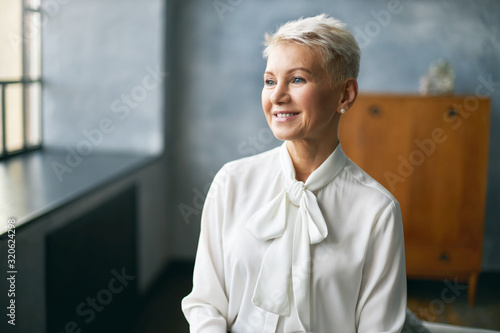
[285,115]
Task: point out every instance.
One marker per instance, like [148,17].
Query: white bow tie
[293,220]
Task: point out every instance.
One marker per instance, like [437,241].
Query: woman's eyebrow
[299,69]
[292,70]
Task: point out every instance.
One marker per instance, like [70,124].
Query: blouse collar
[294,222]
[323,175]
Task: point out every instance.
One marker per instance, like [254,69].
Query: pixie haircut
[337,47]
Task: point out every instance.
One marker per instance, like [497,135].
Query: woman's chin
[283,135]
[287,137]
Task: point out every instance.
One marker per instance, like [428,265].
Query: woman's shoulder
[373,202]
[367,183]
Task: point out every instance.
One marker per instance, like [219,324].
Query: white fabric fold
[293,221]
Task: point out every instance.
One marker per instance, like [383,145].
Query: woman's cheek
[266,103]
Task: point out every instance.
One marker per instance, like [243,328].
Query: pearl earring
[342,111]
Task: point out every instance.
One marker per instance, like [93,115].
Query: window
[20,76]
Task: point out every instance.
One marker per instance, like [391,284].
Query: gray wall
[98,60]
[217,76]
[103,62]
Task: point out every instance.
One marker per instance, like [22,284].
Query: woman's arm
[206,306]
[382,300]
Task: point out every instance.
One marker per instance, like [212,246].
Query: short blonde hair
[336,45]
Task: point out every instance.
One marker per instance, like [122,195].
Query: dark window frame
[25,82]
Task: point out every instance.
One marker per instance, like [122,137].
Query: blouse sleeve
[206,306]
[382,299]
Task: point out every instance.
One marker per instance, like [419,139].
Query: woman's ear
[348,95]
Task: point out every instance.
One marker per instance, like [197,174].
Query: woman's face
[298,100]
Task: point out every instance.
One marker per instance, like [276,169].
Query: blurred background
[116,115]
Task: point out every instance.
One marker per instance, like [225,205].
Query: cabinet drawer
[420,259]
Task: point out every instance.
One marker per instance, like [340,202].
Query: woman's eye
[269,82]
[298,80]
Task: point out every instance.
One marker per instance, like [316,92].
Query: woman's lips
[285,116]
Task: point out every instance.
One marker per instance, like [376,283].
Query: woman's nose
[280,94]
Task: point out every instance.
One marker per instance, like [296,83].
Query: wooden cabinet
[432,154]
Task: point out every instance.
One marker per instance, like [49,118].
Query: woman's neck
[308,156]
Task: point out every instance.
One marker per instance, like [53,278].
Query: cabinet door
[431,153]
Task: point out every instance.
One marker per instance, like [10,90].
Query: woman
[299,238]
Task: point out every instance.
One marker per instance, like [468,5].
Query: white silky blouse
[279,255]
